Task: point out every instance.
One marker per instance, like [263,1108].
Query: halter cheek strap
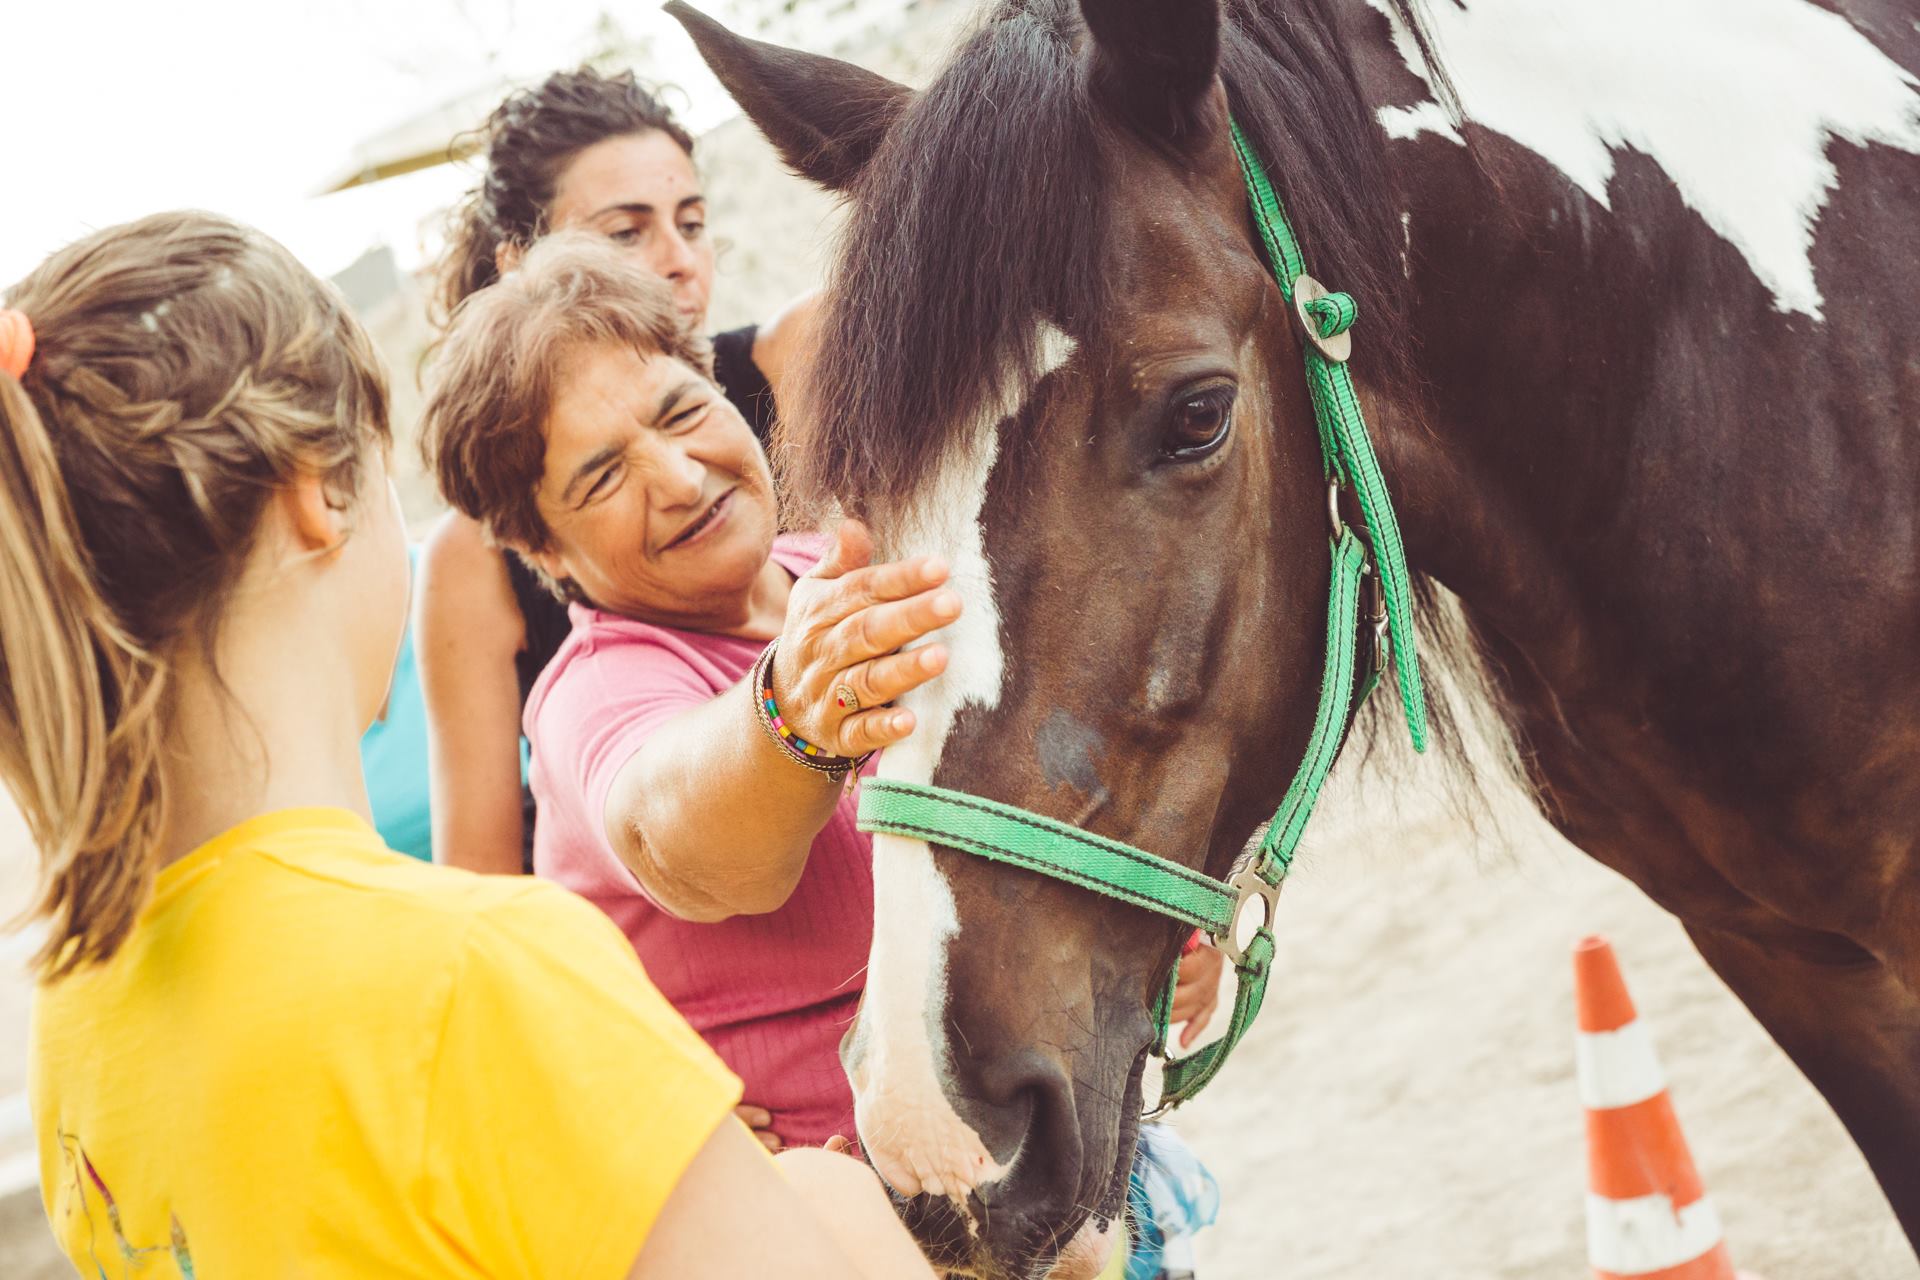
[1374,566]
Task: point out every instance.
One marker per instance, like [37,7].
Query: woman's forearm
[713,814]
[713,817]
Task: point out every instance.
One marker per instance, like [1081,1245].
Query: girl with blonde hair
[264,1043]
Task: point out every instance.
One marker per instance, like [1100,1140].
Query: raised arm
[712,815]
[468,630]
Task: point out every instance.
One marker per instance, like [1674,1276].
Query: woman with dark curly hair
[582,150]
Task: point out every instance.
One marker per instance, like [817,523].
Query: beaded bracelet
[797,748]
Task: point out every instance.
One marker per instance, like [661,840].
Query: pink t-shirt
[774,993]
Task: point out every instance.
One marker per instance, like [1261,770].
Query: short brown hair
[492,384]
[185,366]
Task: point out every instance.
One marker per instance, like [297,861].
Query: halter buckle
[1377,618]
[1247,884]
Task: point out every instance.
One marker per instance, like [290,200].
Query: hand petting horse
[1637,320]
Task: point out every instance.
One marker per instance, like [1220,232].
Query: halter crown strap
[1045,845]
[1344,445]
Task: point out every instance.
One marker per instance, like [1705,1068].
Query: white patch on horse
[1735,99]
[1408,123]
[907,1125]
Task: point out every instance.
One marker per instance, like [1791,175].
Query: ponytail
[472,258]
[80,710]
[184,367]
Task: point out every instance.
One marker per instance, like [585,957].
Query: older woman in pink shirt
[575,421]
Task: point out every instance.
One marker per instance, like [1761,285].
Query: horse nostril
[1030,1113]
[1027,1101]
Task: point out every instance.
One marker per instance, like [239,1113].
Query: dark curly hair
[530,139]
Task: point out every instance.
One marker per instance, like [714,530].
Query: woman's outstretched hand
[847,623]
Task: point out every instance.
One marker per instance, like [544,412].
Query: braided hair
[185,368]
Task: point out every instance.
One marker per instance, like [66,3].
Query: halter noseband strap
[1375,565]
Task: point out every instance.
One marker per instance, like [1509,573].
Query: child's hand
[760,1120]
[1197,994]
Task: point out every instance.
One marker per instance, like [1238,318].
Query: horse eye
[1199,424]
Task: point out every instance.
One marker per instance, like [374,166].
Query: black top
[546,617]
[741,379]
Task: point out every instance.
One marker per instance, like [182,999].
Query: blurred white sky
[114,109]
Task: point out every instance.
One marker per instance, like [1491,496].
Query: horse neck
[1509,451]
[1605,327]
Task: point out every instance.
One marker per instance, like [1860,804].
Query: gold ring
[845,698]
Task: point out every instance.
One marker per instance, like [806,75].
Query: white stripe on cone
[1617,1068]
[1645,1234]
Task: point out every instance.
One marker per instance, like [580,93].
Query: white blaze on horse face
[1737,100]
[907,1125]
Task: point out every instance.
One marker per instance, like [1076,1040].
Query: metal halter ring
[1247,884]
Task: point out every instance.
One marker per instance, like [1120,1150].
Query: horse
[1639,338]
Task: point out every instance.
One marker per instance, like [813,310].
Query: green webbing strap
[1058,849]
[1289,823]
[1163,1011]
[1346,449]
[1333,389]
[1283,250]
[1185,1077]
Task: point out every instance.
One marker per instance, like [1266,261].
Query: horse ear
[1153,61]
[824,116]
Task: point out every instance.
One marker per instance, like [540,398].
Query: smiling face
[640,191]
[658,499]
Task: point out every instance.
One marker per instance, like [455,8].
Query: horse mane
[984,210]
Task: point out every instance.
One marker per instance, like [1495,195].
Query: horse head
[1053,353]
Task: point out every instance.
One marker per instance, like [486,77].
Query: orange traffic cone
[1648,1217]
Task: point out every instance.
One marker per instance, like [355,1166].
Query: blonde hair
[185,367]
[494,379]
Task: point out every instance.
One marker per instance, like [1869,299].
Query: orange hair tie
[16,342]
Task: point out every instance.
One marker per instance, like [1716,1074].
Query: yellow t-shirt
[317,1057]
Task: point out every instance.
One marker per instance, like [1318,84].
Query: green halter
[1006,834]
